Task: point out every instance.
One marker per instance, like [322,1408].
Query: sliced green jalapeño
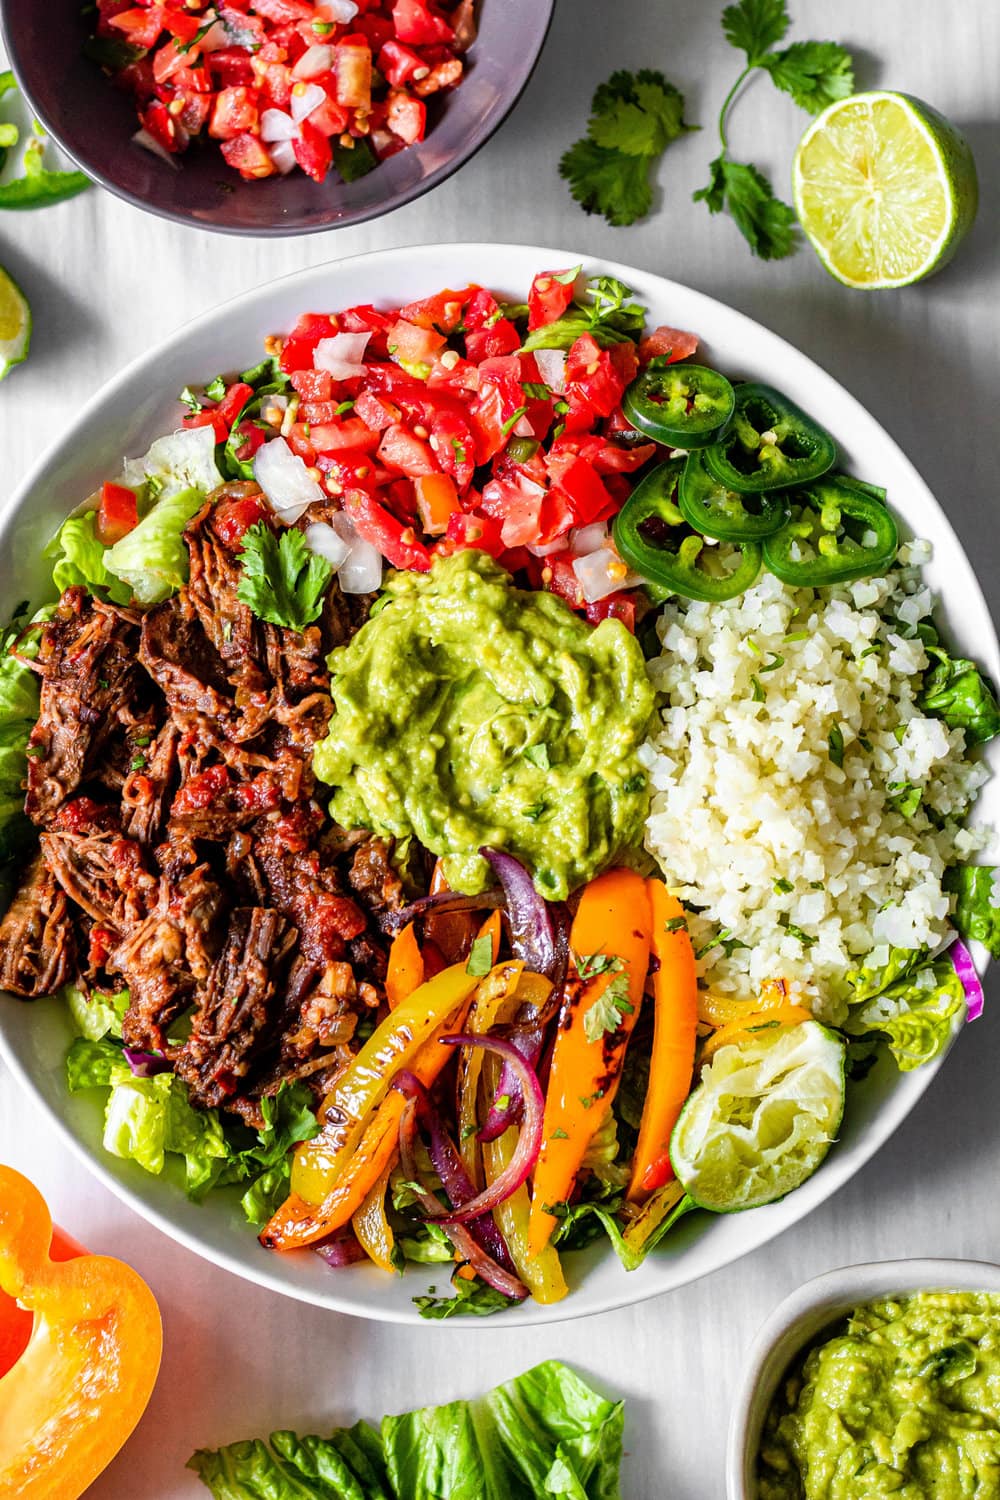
[771,444]
[839,531]
[716,511]
[680,406]
[653,538]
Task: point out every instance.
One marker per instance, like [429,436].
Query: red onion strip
[508,1101]
[146,1064]
[345,1250]
[531,931]
[966,971]
[439,903]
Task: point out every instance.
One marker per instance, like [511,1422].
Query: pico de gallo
[284,84]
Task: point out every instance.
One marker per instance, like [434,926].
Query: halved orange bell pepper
[612,921]
[675,1024]
[781,1015]
[82,1381]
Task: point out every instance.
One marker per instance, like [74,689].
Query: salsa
[284,84]
[903,1401]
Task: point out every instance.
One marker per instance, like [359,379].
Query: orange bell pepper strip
[675,1024]
[782,1015]
[613,922]
[406,967]
[83,1379]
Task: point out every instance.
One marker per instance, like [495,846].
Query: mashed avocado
[470,712]
[905,1402]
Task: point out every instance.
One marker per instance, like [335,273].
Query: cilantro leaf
[755,26]
[766,223]
[608,182]
[814,73]
[473,1297]
[480,957]
[282,581]
[607,1013]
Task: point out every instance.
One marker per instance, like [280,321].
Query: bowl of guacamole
[874,1380]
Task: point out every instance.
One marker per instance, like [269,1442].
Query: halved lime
[15,324]
[885,188]
[762,1119]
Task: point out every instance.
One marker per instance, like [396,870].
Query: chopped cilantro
[481,957]
[538,755]
[835,741]
[607,1013]
[282,581]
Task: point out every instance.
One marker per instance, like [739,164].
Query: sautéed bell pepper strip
[737,1031]
[541,1272]
[612,923]
[827,509]
[324,1167]
[372,1228]
[495,1003]
[82,1382]
[675,1024]
[680,406]
[652,536]
[771,444]
[720,1010]
[406,967]
[719,512]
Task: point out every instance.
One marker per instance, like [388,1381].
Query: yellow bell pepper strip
[406,967]
[782,1015]
[81,1383]
[651,1222]
[372,1227]
[610,942]
[720,1010]
[542,1273]
[675,1023]
[493,1002]
[333,1173]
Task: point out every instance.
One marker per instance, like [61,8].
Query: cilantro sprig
[633,119]
[814,74]
[282,581]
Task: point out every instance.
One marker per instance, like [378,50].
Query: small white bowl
[811,1308]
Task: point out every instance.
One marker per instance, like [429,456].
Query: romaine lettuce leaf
[977,903]
[93,1063]
[916,1013]
[153,558]
[93,1016]
[79,557]
[19,701]
[955,691]
[183,460]
[867,982]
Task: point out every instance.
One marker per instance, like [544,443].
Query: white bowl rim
[511,262]
[828,1297]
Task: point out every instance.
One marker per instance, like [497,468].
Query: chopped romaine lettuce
[544,1434]
[18,712]
[153,558]
[80,558]
[955,691]
[977,903]
[867,982]
[916,1013]
[183,460]
[96,1016]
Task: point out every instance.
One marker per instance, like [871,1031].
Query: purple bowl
[93,122]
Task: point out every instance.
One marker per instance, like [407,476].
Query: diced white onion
[342,355]
[342,10]
[150,143]
[324,541]
[303,104]
[547,549]
[275,125]
[361,571]
[285,480]
[314,61]
[552,368]
[345,528]
[602,573]
[588,538]
[282,153]
[215,39]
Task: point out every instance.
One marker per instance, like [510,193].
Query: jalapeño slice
[771,444]
[680,406]
[839,531]
[716,511]
[653,538]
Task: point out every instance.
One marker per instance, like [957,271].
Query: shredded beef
[37,942]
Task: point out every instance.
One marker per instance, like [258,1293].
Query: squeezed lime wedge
[15,324]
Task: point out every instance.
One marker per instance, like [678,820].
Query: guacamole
[470,712]
[903,1402]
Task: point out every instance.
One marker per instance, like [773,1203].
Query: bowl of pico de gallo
[274,117]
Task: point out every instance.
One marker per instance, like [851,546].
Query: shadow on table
[61,320]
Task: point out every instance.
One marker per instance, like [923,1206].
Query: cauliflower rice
[806,864]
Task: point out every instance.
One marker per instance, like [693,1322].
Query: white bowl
[802,1317]
[138,405]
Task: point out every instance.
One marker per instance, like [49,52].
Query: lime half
[15,324]
[763,1117]
[885,188]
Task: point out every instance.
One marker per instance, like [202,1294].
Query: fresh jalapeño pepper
[653,538]
[771,444]
[839,531]
[680,406]
[711,508]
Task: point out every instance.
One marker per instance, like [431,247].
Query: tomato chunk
[117,514]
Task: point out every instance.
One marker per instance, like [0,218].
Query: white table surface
[106,281]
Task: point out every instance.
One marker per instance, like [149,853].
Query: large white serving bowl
[139,404]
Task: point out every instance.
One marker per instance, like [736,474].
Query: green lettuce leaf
[183,460]
[93,1062]
[94,1015]
[80,558]
[19,701]
[147,1117]
[955,691]
[579,1223]
[977,908]
[289,1117]
[869,982]
[153,558]
[916,1013]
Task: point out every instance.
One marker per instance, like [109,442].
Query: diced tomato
[612,459]
[348,470]
[313,385]
[672,343]
[234,111]
[410,345]
[437,501]
[298,349]
[470,529]
[117,514]
[453,441]
[615,607]
[157,121]
[141,27]
[418,25]
[406,116]
[365,319]
[549,297]
[249,157]
[397,63]
[492,342]
[329,118]
[376,30]
[586,491]
[209,417]
[595,383]
[251,437]
[231,67]
[106,11]
[233,402]
[275,82]
[168,61]
[315,413]
[231,518]
[403,450]
[284,12]
[374,411]
[443,312]
[350,433]
[557,576]
[202,790]
[194,116]
[312,151]
[397,543]
[516,502]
